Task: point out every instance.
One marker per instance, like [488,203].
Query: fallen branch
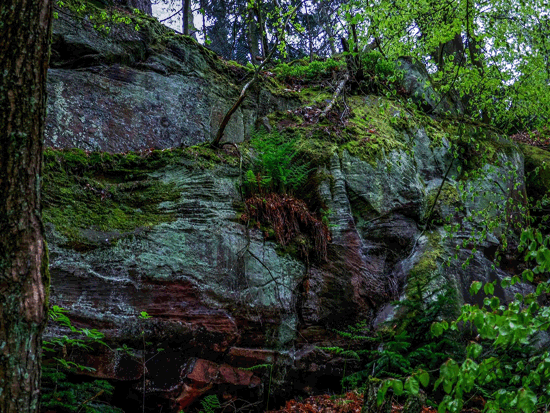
[335,96]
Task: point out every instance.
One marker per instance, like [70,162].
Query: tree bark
[253,37]
[186,16]
[24,54]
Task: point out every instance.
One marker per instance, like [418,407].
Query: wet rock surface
[222,297]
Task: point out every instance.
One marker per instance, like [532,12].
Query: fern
[276,167]
[210,403]
[59,391]
[341,352]
[258,366]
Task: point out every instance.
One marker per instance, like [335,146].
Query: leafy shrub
[377,64]
[63,394]
[501,364]
[405,345]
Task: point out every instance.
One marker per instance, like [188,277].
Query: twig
[90,399]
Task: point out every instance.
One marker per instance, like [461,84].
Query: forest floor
[351,402]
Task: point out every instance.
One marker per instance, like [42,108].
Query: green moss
[277,88]
[314,95]
[537,168]
[375,128]
[316,151]
[46,279]
[109,193]
[206,157]
[448,198]
[315,70]
[285,119]
[426,270]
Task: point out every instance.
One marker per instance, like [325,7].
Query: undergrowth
[272,186]
[404,345]
[315,70]
[63,392]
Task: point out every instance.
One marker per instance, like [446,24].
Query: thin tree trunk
[225,121]
[309,34]
[253,37]
[263,37]
[186,11]
[24,53]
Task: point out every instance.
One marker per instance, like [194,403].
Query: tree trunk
[263,38]
[253,37]
[24,53]
[309,34]
[186,15]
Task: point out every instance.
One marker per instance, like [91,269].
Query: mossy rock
[93,197]
[442,204]
[537,168]
[425,275]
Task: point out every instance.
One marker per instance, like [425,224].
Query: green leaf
[412,386]
[474,350]
[397,386]
[527,400]
[382,392]
[436,329]
[475,287]
[489,288]
[424,378]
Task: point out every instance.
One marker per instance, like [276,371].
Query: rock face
[159,232]
[144,89]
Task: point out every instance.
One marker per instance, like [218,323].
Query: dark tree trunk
[309,34]
[253,37]
[186,15]
[263,37]
[24,52]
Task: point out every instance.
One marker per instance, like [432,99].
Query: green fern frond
[210,403]
[258,366]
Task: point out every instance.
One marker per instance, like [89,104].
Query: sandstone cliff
[140,219]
